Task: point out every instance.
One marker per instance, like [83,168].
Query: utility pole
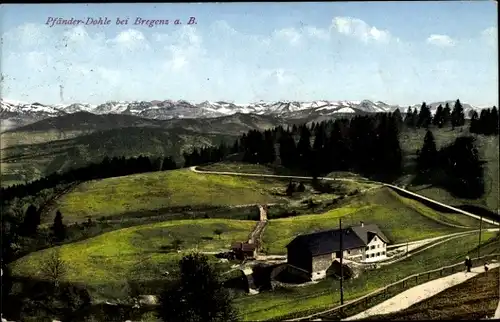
[341,265]
[480,229]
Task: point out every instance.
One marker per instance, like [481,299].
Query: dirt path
[418,293]
[256,234]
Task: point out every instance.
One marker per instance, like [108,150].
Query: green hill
[137,253]
[158,190]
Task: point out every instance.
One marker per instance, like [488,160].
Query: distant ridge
[14,113]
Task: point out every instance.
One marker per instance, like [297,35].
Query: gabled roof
[328,241]
[363,233]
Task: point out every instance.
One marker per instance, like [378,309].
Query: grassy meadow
[325,294]
[140,252]
[401,219]
[157,190]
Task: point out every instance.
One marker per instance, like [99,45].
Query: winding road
[194,169]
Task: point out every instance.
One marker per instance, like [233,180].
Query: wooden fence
[373,298]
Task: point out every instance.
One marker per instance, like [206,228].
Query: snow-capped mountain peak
[168,109]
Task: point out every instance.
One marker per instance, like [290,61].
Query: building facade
[316,252]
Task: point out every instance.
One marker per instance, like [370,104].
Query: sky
[397,52]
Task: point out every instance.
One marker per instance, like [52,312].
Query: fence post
[416,279]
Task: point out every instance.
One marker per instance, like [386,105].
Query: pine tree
[483,122]
[446,116]
[465,176]
[408,121]
[319,148]
[268,154]
[427,158]
[493,122]
[337,151]
[288,151]
[415,118]
[474,123]
[457,115]
[438,117]
[425,116]
[58,228]
[398,119]
[304,148]
[31,221]
[198,295]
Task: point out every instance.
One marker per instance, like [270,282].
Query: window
[367,248]
[371,255]
[383,253]
[349,252]
[373,247]
[378,254]
[378,246]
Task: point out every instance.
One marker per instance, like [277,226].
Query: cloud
[289,34]
[219,62]
[318,33]
[441,40]
[359,29]
[185,49]
[490,35]
[130,39]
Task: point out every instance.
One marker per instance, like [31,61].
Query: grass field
[474,299]
[137,252]
[325,294]
[241,167]
[150,191]
[401,219]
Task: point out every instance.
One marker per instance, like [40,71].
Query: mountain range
[14,113]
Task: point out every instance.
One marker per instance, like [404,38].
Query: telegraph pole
[480,229]
[341,265]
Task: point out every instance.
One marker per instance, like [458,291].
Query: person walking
[468,263]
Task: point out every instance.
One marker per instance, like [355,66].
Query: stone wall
[321,262]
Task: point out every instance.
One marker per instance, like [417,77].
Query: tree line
[444,116]
[107,168]
[485,123]
[365,144]
[456,166]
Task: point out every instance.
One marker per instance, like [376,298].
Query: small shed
[244,250]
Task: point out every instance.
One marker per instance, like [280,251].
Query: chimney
[362,224]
